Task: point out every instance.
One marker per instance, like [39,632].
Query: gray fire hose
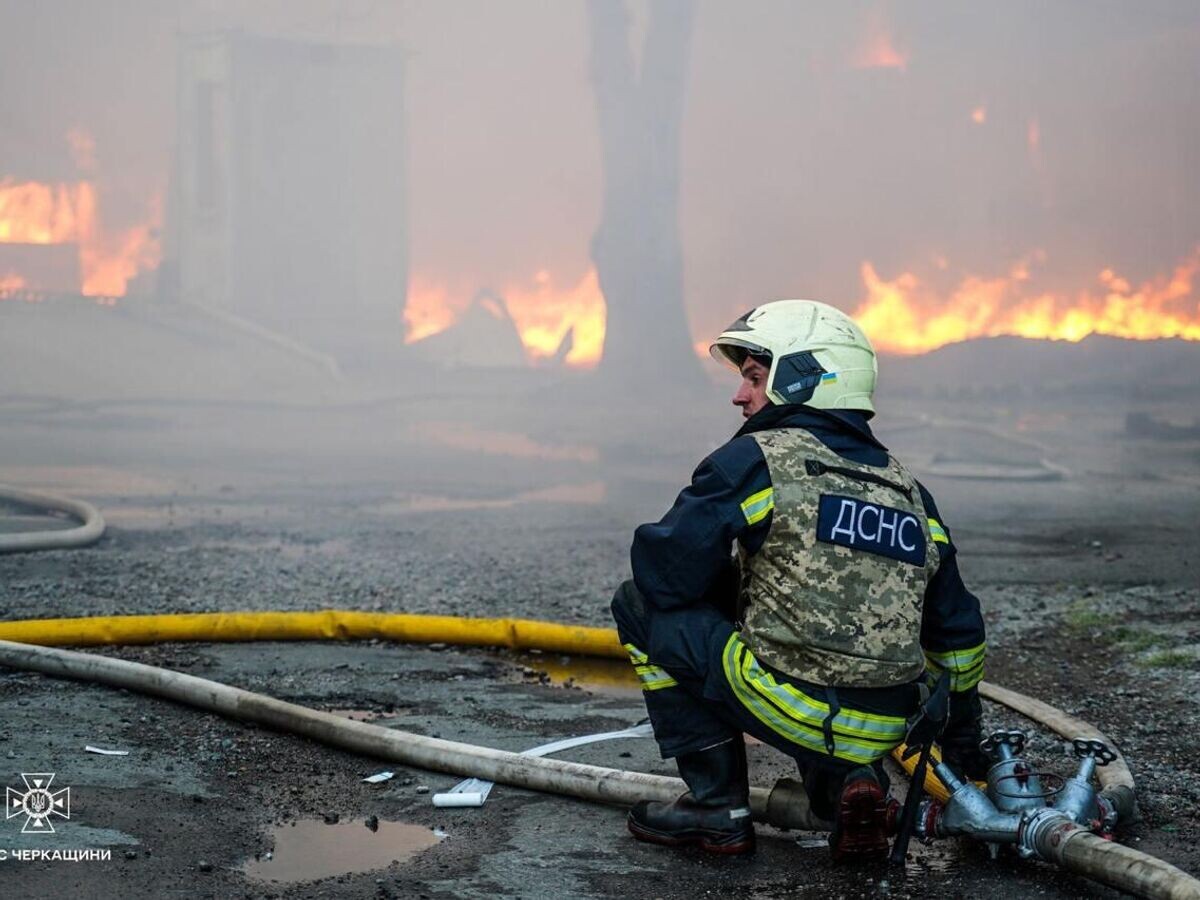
[88,532]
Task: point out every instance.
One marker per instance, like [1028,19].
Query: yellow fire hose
[325,625]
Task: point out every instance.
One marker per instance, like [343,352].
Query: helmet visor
[732,351]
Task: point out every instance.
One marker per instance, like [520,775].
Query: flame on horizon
[541,312]
[906,316]
[878,48]
[33,212]
[11,282]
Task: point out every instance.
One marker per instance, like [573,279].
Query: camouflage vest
[834,596]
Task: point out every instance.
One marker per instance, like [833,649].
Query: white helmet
[819,355]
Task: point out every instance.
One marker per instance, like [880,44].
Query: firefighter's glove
[964,730]
[931,719]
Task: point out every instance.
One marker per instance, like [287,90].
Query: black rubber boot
[863,819]
[713,815]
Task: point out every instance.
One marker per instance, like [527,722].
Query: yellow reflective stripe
[845,746]
[799,718]
[937,532]
[798,705]
[965,666]
[658,686]
[756,506]
[653,678]
[961,681]
[871,726]
[958,660]
[760,710]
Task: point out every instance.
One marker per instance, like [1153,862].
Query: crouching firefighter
[845,600]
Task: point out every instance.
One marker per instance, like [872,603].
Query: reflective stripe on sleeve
[937,532]
[965,666]
[756,506]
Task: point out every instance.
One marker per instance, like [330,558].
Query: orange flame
[541,312]
[10,283]
[35,213]
[1033,135]
[979,115]
[878,50]
[905,316]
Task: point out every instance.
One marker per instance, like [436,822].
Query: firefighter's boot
[714,814]
[863,818]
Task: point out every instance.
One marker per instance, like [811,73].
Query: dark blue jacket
[686,556]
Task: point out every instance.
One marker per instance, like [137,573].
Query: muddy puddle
[310,849]
[611,676]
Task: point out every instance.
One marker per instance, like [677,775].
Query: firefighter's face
[751,395]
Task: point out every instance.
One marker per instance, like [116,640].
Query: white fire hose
[784,806]
[88,532]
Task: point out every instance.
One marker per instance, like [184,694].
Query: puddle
[310,849]
[591,674]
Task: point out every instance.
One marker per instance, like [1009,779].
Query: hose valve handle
[1099,751]
[1091,753]
[1004,743]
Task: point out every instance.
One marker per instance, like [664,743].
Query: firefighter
[843,603]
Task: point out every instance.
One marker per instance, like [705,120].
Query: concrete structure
[289,199]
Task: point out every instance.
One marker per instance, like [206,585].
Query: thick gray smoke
[814,137]
[289,171]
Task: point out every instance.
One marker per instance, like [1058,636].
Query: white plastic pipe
[88,532]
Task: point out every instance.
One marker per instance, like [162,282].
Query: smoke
[815,138]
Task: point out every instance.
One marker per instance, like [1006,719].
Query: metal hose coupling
[1016,807]
[1079,800]
[968,813]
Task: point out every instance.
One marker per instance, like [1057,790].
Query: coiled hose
[88,532]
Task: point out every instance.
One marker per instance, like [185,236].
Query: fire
[905,316]
[878,50]
[979,115]
[11,283]
[110,261]
[1033,135]
[541,312]
[33,212]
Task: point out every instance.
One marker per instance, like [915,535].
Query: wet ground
[1087,574]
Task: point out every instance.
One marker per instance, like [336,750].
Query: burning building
[289,198]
